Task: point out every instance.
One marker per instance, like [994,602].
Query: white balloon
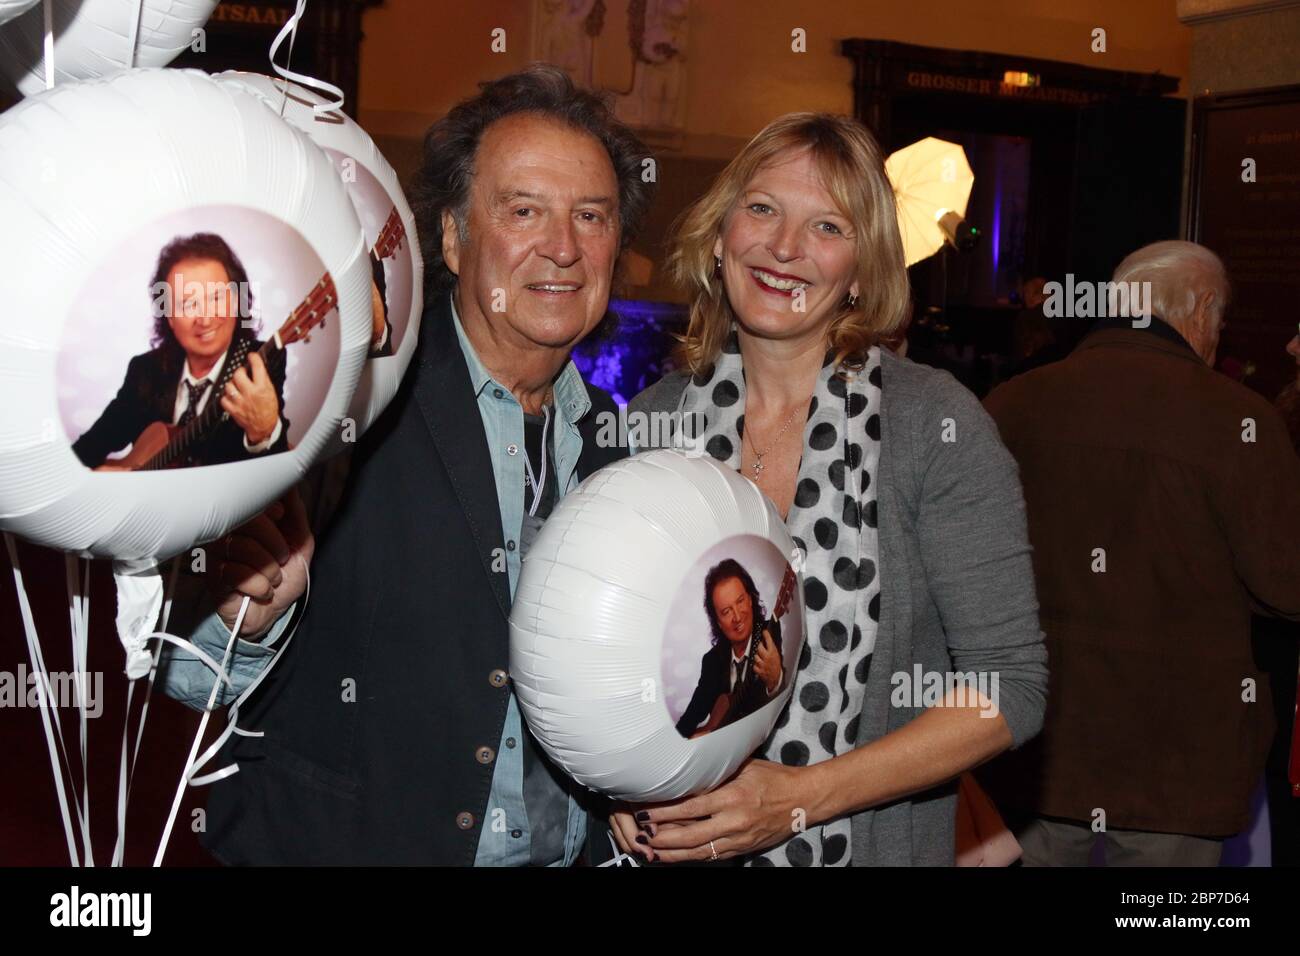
[376,193]
[11,8]
[92,170]
[92,38]
[615,570]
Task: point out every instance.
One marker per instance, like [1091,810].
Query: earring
[853,301]
[717,266]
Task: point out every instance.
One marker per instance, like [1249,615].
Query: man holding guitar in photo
[202,353]
[743,669]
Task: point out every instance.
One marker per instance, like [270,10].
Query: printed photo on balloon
[732,643]
[392,273]
[207,337]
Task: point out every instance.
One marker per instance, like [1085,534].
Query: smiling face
[789,255]
[204,309]
[542,233]
[734,611]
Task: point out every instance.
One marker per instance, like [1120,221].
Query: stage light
[960,234]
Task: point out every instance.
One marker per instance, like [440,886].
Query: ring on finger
[714,850]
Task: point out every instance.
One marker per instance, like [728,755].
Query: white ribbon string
[232,715]
[38,668]
[49,44]
[620,858]
[126,769]
[290,29]
[203,725]
[193,763]
[78,585]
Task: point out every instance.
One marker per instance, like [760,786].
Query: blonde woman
[894,483]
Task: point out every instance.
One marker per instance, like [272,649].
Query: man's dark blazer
[148,395]
[715,679]
[407,608]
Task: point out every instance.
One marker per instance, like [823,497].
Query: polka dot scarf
[833,521]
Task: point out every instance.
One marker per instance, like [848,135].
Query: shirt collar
[1157,326]
[212,375]
[743,654]
[571,398]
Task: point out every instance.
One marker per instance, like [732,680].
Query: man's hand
[251,400]
[266,560]
[767,663]
[630,835]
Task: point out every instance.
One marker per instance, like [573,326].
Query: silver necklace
[758,455]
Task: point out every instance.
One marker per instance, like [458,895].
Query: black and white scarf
[833,522]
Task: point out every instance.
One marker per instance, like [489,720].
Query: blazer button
[464,819]
[485,754]
[498,678]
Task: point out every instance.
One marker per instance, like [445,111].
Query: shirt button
[512,449]
[464,820]
[485,754]
[498,678]
[510,743]
[516,833]
[497,393]
[510,545]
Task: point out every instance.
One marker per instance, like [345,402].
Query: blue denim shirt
[505,839]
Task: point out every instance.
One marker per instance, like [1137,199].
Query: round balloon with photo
[187,315]
[94,38]
[657,627]
[388,224]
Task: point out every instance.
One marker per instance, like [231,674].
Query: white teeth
[772,282]
[554,287]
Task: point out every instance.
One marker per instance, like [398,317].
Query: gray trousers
[1050,842]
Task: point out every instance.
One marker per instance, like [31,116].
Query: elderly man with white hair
[1164,508]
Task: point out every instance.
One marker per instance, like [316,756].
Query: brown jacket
[1132,445]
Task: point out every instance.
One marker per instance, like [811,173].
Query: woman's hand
[622,823]
[759,807]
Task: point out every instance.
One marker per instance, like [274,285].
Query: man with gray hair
[1164,508]
[389,731]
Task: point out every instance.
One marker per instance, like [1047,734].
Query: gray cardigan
[957,584]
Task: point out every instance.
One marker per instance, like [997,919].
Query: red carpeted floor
[31,830]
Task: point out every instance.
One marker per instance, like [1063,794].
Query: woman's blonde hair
[853,171]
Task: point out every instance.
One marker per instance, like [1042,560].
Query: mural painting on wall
[636,48]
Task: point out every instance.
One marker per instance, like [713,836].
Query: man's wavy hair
[729,568]
[852,170]
[451,144]
[201,245]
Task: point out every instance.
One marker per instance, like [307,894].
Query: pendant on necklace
[758,466]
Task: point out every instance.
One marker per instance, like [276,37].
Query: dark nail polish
[641,838]
[642,816]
